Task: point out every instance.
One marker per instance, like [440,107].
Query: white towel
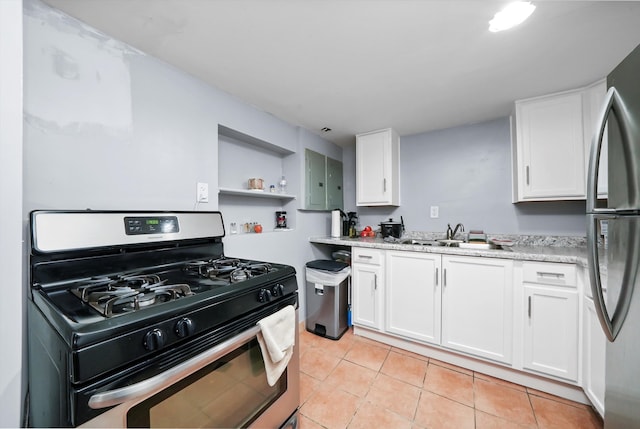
[276,339]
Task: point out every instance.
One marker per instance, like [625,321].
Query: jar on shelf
[282,185]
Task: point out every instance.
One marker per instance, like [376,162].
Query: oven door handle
[169,377]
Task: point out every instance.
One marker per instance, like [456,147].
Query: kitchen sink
[422,242]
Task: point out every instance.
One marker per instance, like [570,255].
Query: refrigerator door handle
[611,325]
[594,276]
[612,102]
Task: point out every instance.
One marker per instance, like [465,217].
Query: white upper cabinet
[550,148]
[378,168]
[551,143]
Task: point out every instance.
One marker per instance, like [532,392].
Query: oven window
[229,393]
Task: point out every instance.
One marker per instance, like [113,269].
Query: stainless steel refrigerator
[619,314]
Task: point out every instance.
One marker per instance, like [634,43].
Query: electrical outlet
[202,192]
[435,212]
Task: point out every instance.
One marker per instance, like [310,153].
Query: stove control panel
[136,225]
[267,294]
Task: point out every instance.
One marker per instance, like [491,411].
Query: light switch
[435,212]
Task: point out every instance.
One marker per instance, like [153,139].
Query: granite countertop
[542,253]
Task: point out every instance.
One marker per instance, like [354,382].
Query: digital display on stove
[151,225]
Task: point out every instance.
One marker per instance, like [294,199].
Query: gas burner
[257,268]
[224,261]
[249,269]
[213,268]
[139,299]
[230,270]
[123,294]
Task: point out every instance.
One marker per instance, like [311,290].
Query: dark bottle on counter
[353,221]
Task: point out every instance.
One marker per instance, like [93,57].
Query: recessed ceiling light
[512,15]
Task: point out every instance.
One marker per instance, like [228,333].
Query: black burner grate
[123,294]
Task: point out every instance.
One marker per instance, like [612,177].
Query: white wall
[11,220]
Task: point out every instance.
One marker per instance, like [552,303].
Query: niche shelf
[255,194]
[241,157]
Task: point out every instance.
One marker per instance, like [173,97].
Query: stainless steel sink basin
[422,242]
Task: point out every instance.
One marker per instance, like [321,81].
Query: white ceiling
[356,65]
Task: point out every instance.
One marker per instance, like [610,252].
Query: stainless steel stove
[120,301]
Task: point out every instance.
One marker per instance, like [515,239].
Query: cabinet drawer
[549,274]
[366,256]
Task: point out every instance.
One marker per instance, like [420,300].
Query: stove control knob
[264,295]
[278,290]
[155,339]
[185,327]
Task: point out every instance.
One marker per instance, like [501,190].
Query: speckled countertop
[522,250]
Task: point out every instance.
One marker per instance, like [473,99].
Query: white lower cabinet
[413,302]
[477,306]
[367,271]
[595,347]
[468,305]
[551,330]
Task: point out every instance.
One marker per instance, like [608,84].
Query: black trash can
[327,298]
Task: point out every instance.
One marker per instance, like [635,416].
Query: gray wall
[466,172]
[108,127]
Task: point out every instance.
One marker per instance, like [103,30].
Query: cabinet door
[367,284]
[595,347]
[413,295]
[377,168]
[334,184]
[550,146]
[551,331]
[477,306]
[316,198]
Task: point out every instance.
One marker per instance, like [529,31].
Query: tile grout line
[535,416]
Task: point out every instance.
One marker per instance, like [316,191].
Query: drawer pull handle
[436,277]
[548,274]
[529,311]
[365,256]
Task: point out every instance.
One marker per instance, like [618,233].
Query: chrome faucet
[451,233]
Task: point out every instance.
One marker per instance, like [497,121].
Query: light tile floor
[358,383]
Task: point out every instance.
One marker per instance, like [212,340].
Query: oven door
[226,386]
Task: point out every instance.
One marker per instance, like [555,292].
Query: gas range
[115,294]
